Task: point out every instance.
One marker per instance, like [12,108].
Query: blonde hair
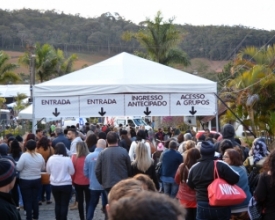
[143,160]
[190,144]
[81,149]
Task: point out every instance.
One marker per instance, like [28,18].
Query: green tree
[6,70]
[64,65]
[160,39]
[251,93]
[45,61]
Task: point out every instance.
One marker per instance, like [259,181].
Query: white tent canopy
[12,90]
[13,104]
[26,113]
[124,73]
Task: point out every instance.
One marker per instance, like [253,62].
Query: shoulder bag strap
[215,170]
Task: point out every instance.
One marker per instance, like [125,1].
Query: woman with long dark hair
[60,168]
[44,148]
[265,190]
[91,141]
[30,136]
[186,195]
[30,166]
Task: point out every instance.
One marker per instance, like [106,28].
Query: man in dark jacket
[201,175]
[113,163]
[7,179]
[171,159]
[61,138]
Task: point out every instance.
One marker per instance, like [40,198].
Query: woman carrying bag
[201,175]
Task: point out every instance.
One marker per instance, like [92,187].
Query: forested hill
[103,34]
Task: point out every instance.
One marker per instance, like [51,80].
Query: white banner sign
[126,105]
[147,104]
[102,105]
[193,104]
[56,107]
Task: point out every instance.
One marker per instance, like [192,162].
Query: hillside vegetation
[198,65]
[102,35]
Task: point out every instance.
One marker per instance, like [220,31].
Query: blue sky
[251,13]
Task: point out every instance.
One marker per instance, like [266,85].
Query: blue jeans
[61,196]
[94,198]
[45,188]
[104,199]
[207,212]
[170,189]
[29,190]
[20,197]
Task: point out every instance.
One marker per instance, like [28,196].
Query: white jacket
[60,169]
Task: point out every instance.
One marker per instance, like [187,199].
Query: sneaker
[74,206]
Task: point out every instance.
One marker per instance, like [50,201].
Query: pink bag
[221,193]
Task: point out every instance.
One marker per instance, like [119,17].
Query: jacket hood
[228,131]
[4,149]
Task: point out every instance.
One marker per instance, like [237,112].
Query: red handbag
[221,193]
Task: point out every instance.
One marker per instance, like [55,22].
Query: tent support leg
[33,116]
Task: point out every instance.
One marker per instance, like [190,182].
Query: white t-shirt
[30,166]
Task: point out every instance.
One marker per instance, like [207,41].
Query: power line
[241,66]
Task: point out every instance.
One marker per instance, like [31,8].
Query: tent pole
[33,116]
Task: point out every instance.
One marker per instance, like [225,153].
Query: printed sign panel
[50,107]
[193,104]
[102,105]
[147,104]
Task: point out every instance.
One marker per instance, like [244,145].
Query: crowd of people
[137,174]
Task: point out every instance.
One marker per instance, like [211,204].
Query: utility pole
[32,83]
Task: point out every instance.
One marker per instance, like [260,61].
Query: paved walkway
[46,212]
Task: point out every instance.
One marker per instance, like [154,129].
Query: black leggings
[190,213]
[81,191]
